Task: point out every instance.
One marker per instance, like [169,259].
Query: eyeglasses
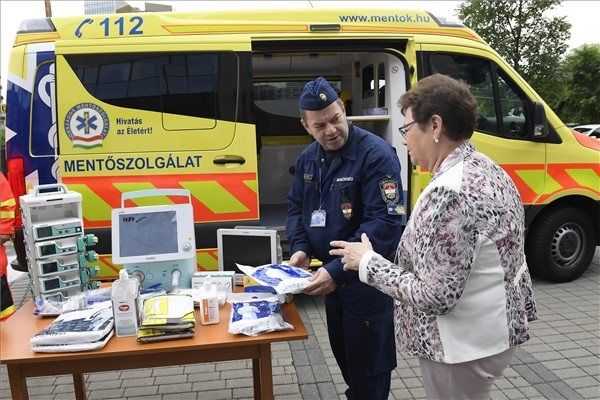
[404,129]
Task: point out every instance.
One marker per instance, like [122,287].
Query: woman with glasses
[462,291]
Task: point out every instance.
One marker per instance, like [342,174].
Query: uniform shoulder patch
[389,190]
[390,193]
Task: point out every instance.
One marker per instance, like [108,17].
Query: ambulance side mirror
[540,123]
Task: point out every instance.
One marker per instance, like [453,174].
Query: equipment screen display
[48,250]
[143,234]
[50,267]
[246,250]
[52,284]
[44,232]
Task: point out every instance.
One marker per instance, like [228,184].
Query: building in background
[155,7]
[93,7]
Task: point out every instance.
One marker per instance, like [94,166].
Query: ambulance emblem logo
[87,125]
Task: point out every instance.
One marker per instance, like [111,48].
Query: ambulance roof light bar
[36,25]
[447,20]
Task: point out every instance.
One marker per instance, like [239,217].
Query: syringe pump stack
[58,251]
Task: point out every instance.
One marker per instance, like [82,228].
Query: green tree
[581,76]
[521,32]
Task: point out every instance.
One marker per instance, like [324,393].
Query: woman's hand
[351,252]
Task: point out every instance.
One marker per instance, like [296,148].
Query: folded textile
[65,348]
[167,317]
[78,330]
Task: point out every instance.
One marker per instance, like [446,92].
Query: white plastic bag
[283,278]
[256,314]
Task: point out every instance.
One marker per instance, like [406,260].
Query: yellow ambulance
[207,101]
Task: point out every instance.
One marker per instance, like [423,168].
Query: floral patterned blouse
[460,282]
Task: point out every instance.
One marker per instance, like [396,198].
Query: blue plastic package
[259,289]
[284,279]
[253,314]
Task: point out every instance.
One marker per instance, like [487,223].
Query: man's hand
[321,283]
[299,259]
[351,252]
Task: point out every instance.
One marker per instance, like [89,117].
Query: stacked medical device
[57,249]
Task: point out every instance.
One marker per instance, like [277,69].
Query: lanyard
[321,184]
[332,163]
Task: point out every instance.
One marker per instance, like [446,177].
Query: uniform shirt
[461,285]
[360,191]
[7,208]
[7,220]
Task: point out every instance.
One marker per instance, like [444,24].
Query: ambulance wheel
[561,245]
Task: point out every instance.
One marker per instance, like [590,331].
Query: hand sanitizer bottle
[209,303]
[124,295]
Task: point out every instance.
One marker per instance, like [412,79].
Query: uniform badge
[389,190]
[346,210]
[391,195]
[396,209]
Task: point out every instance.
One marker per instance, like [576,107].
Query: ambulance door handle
[229,159]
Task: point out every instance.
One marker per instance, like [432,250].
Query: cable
[28,289]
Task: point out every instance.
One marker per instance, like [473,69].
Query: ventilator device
[155,243]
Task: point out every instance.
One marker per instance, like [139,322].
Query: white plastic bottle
[209,303]
[124,294]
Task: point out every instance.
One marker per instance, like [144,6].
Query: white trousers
[470,380]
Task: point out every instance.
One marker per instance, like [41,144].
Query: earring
[436,140]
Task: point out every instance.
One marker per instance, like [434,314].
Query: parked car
[589,130]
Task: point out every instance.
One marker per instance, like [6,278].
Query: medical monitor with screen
[153,233]
[156,244]
[142,239]
[252,247]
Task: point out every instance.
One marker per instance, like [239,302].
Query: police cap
[317,95]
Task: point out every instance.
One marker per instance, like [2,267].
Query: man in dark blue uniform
[346,183]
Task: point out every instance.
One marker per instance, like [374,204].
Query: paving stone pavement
[561,361]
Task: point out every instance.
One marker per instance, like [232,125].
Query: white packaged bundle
[285,279]
[256,314]
[79,330]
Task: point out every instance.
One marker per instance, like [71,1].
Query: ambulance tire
[561,245]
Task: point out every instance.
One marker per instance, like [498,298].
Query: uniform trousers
[362,348]
[470,380]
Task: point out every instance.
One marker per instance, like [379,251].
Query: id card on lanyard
[318,218]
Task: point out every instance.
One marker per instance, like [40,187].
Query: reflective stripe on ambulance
[537,185]
[215,197]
